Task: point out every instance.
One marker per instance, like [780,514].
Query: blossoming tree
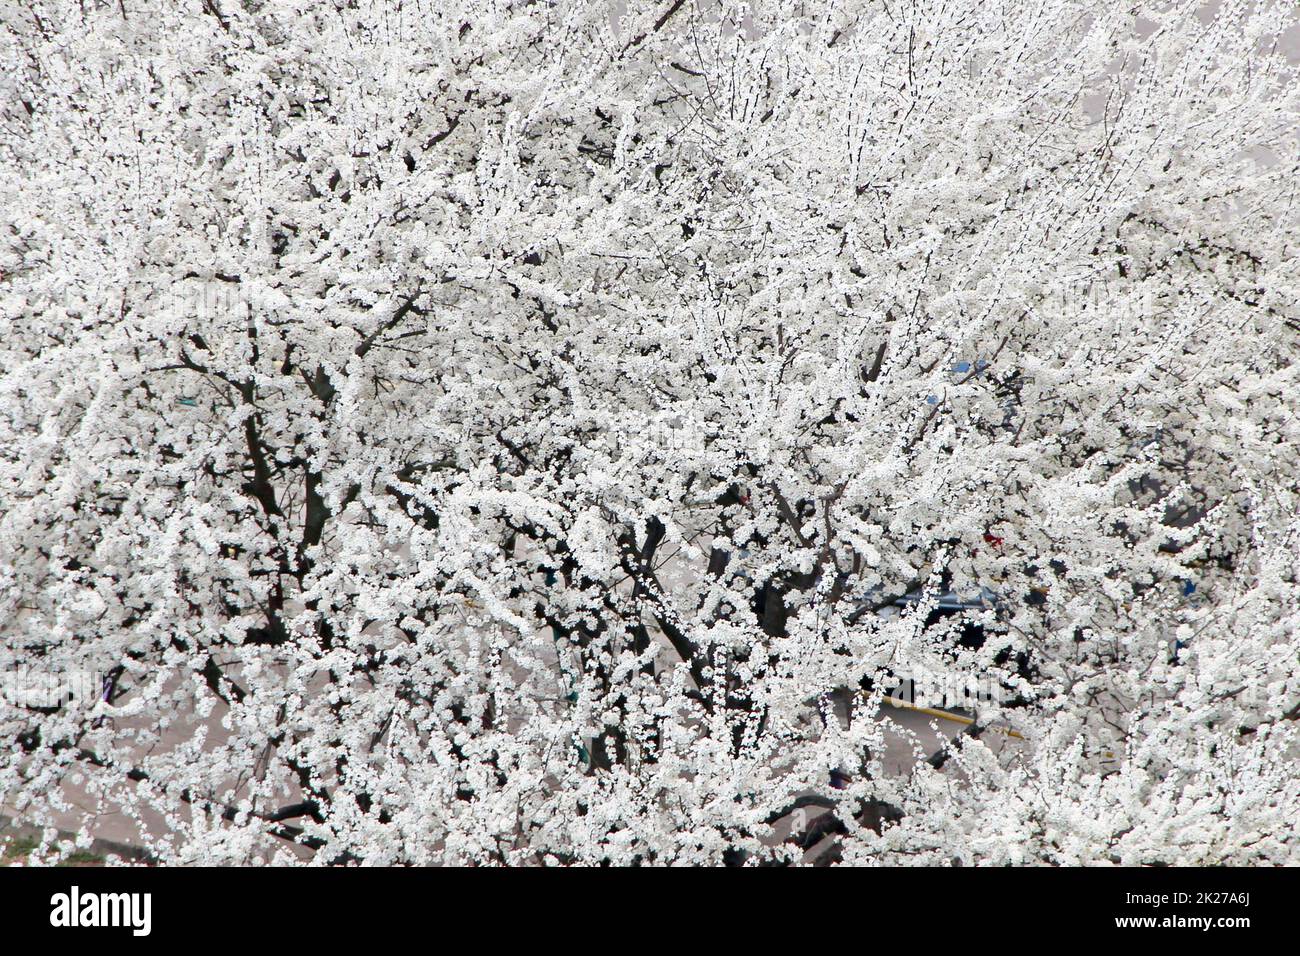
[503,432]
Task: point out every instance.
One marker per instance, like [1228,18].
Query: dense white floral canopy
[491,432]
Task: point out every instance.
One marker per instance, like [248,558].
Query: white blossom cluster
[537,433]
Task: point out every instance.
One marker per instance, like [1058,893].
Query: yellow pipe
[944,715]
